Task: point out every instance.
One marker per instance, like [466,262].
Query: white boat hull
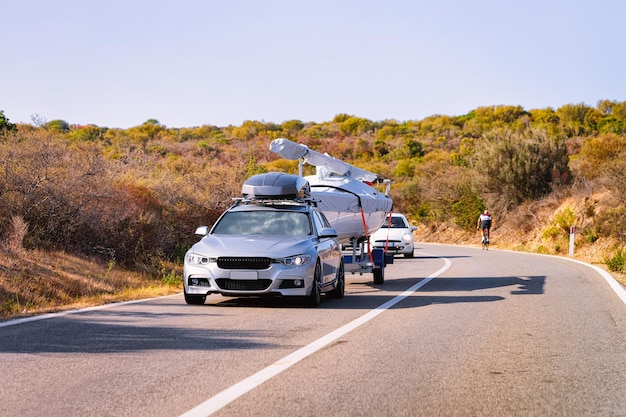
[347,203]
[350,225]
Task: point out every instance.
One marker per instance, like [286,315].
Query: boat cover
[325,163]
[338,193]
[341,200]
[341,190]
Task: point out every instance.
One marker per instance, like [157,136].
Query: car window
[320,221]
[284,223]
[396,223]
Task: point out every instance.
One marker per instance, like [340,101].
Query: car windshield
[282,223]
[396,223]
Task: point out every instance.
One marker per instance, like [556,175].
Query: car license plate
[244,275]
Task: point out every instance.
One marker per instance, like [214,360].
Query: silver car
[262,247]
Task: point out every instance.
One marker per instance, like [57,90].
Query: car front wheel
[315,298]
[340,287]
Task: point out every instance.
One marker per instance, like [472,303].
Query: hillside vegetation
[125,202]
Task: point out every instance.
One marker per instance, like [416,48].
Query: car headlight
[407,238]
[297,260]
[194,258]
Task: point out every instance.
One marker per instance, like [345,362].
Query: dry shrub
[14,239]
[520,166]
[131,210]
[610,224]
[41,281]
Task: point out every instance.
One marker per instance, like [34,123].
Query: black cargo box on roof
[276,185]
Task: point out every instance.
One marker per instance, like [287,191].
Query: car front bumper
[276,280]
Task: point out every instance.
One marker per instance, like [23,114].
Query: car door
[328,249]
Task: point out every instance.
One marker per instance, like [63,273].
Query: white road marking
[615,286]
[230,394]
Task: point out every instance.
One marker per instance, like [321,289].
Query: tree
[613,117]
[340,118]
[5,125]
[601,159]
[520,166]
[90,133]
[487,118]
[57,125]
[450,196]
[354,126]
[292,127]
[578,119]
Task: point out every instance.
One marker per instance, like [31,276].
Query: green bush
[591,235]
[551,232]
[616,262]
[565,219]
[466,210]
[519,166]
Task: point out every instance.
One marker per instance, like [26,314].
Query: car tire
[408,255]
[339,290]
[315,298]
[194,299]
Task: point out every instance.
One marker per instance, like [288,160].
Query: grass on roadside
[35,282]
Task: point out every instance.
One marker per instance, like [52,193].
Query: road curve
[454,331]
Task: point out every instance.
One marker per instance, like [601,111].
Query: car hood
[394,234]
[266,246]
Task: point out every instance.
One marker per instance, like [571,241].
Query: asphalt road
[453,332]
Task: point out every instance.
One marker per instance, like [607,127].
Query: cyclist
[484,224]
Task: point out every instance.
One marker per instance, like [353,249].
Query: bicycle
[484,223]
[485,238]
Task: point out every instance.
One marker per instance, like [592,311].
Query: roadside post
[572,232]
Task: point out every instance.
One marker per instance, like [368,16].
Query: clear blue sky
[118,63]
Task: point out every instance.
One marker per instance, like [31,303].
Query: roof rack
[298,201]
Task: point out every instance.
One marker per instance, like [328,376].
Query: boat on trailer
[348,197]
[346,194]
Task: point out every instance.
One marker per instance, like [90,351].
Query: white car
[396,236]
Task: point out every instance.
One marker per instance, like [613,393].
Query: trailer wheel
[379,275]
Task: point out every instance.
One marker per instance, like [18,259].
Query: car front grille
[243,285]
[233,262]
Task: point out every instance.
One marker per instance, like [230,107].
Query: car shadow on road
[110,337]
[520,285]
[364,295]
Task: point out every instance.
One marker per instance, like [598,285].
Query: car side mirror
[202,230]
[328,232]
[413,228]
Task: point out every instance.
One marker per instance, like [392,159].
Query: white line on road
[230,394]
[615,286]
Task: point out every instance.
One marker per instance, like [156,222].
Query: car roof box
[276,185]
